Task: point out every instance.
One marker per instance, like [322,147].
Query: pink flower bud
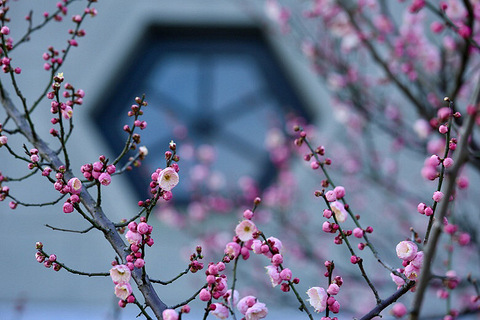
[105,179]
[437,196]
[205,295]
[406,250]
[286,274]
[399,310]
[142,228]
[5,30]
[428,211]
[421,208]
[333,289]
[358,233]
[330,196]
[75,185]
[334,307]
[277,259]
[448,162]
[248,214]
[139,263]
[326,227]
[327,213]
[450,228]
[67,207]
[463,239]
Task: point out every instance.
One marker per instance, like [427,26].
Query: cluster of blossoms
[53,58]
[249,306]
[339,210]
[432,165]
[252,308]
[121,275]
[99,170]
[138,235]
[47,260]
[321,299]
[170,314]
[3,139]
[462,238]
[195,265]
[4,190]
[33,153]
[5,61]
[64,110]
[216,282]
[272,248]
[412,262]
[135,112]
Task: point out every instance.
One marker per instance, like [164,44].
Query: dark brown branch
[104,224]
[68,230]
[385,303]
[172,280]
[461,156]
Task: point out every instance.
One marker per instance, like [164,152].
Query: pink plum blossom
[120,274]
[330,196]
[205,295]
[257,311]
[5,30]
[358,233]
[220,311]
[232,249]
[67,207]
[3,140]
[412,272]
[398,281]
[245,303]
[339,192]
[274,275]
[418,260]
[317,298]
[123,290]
[169,314]
[437,196]
[75,185]
[463,239]
[142,228]
[228,296]
[105,179]
[168,179]
[67,113]
[286,274]
[406,250]
[133,237]
[245,230]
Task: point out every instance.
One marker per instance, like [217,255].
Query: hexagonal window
[213,90]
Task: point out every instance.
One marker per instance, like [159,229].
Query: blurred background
[227,85]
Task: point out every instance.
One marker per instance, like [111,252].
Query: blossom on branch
[317,298]
[123,290]
[120,274]
[245,230]
[168,179]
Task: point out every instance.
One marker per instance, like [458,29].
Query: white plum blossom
[317,298]
[168,179]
